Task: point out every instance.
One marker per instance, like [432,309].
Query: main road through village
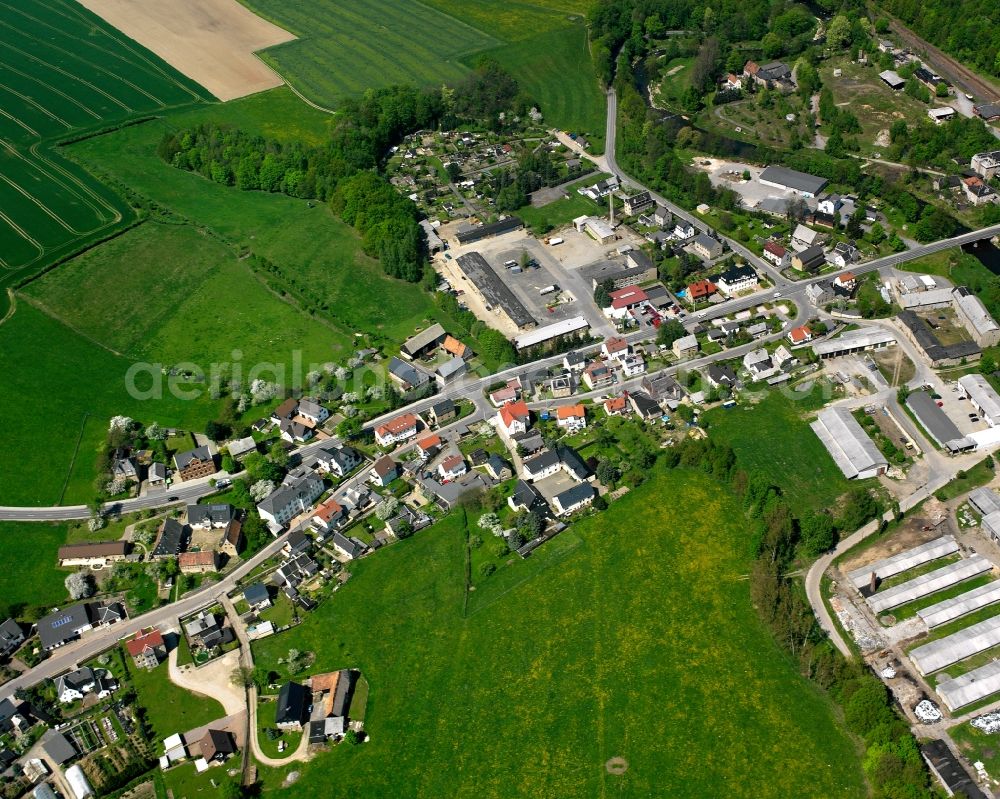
[793,293]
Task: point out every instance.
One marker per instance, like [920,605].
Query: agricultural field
[345,48]
[174,299]
[65,71]
[59,383]
[317,258]
[772,438]
[639,642]
[36,581]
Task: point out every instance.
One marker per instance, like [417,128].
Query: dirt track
[959,74]
[211,41]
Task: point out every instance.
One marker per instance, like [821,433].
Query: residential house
[452,346]
[450,370]
[327,516]
[844,253]
[217,745]
[312,411]
[350,548]
[614,348]
[759,364]
[758,330]
[429,446]
[830,204]
[257,596]
[206,630]
[146,648]
[96,554]
[775,74]
[205,517]
[198,562]
[721,376]
[384,471]
[738,279]
[706,247]
[75,685]
[285,411]
[241,447]
[633,365]
[339,460]
[846,282]
[194,463]
[406,375]
[810,259]
[540,466]
[700,291]
[11,638]
[986,165]
[799,335]
[525,497]
[732,83]
[597,375]
[513,418]
[573,499]
[783,358]
[452,467]
[443,411]
[574,362]
[685,346]
[616,406]
[805,237]
[819,293]
[157,474]
[231,539]
[395,430]
[637,202]
[559,386]
[498,468]
[683,230]
[977,191]
[571,418]
[288,501]
[293,431]
[662,388]
[171,539]
[644,406]
[290,709]
[717,335]
[508,393]
[12,715]
[124,469]
[776,254]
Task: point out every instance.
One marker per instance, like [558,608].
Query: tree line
[892,762]
[346,171]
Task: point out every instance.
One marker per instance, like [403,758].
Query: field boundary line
[40,306]
[72,461]
[47,87]
[41,108]
[295,91]
[116,215]
[13,305]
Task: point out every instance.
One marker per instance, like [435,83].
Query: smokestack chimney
[611,205]
[873,583]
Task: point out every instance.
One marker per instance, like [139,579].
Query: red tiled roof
[614,404]
[703,288]
[799,334]
[570,412]
[775,248]
[615,343]
[203,558]
[328,510]
[398,425]
[451,462]
[430,442]
[150,638]
[631,295]
[847,277]
[514,410]
[454,346]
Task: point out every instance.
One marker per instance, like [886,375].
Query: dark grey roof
[950,770]
[492,229]
[496,463]
[574,358]
[929,342]
[10,634]
[793,179]
[644,404]
[661,385]
[291,705]
[526,495]
[408,373]
[578,493]
[220,514]
[256,593]
[574,463]
[443,407]
[183,459]
[64,625]
[342,695]
[543,460]
[610,270]
[349,546]
[934,420]
[735,273]
[721,373]
[57,747]
[494,290]
[171,539]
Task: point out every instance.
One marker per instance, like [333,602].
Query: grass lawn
[978,475]
[175,299]
[35,580]
[773,438]
[170,708]
[185,783]
[265,721]
[977,745]
[56,375]
[563,211]
[641,643]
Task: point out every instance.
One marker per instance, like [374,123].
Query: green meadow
[638,641]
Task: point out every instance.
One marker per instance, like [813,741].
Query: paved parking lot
[959,411]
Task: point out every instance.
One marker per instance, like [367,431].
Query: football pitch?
[64,71]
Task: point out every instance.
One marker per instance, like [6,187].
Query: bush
[487,569]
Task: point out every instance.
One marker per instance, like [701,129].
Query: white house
[452,467]
[683,229]
[287,501]
[633,365]
[830,204]
[573,499]
[395,430]
[513,418]
[571,418]
[738,279]
[759,364]
[339,460]
[542,465]
[614,348]
[312,411]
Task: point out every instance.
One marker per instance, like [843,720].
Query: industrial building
[495,293]
[985,501]
[917,330]
[982,396]
[950,609]
[856,341]
[596,228]
[936,422]
[848,444]
[791,180]
[970,687]
[576,325]
[905,560]
[930,583]
[983,327]
[955,647]
[490,230]
[621,275]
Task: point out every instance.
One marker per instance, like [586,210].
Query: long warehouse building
[983,397]
[927,584]
[961,605]
[970,687]
[848,444]
[907,559]
[958,646]
[495,293]
[984,500]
